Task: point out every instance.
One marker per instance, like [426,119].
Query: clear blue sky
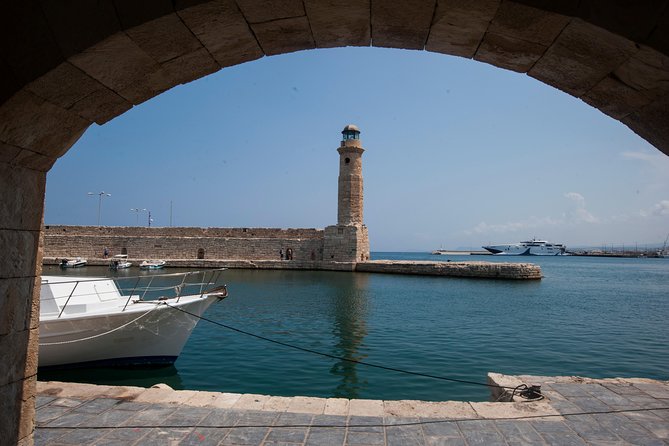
[458,154]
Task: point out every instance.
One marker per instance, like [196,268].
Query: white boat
[73,263]
[89,322]
[532,247]
[119,261]
[152,264]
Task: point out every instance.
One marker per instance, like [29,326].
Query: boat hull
[515,250]
[147,334]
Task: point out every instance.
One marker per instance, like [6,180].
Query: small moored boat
[94,322]
[73,263]
[152,264]
[119,261]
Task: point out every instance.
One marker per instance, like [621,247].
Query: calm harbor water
[596,317]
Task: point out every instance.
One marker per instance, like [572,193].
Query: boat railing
[203,282]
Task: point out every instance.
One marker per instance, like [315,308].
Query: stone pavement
[619,412]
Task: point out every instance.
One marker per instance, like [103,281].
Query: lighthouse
[347,241]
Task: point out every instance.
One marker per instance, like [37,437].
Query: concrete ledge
[482,270]
[228,263]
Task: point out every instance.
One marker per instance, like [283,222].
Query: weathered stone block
[13,364]
[259,12]
[284,35]
[118,63]
[339,22]
[650,123]
[615,98]
[16,305]
[23,200]
[164,38]
[402,24]
[30,122]
[189,67]
[528,24]
[20,250]
[459,26]
[222,30]
[580,57]
[508,52]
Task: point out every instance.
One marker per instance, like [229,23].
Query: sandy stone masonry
[66,65]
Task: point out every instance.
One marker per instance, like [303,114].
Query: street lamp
[137,211]
[150,219]
[100,194]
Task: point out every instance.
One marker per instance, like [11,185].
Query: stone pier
[574,411]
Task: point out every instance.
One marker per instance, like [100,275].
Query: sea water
[595,317]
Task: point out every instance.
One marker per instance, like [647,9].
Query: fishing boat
[73,263]
[119,261]
[532,247]
[152,264]
[96,322]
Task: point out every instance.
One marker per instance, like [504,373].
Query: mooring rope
[340,358]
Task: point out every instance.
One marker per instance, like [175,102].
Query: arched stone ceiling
[67,64]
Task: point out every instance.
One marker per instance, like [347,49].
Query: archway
[66,66]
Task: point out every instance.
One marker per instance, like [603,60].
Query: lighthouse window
[347,160]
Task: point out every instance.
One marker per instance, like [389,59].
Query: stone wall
[183,243]
[346,243]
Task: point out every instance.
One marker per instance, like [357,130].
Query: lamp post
[137,211]
[150,219]
[100,195]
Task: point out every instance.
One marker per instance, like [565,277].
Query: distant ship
[528,248]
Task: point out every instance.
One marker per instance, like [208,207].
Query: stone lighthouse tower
[348,241]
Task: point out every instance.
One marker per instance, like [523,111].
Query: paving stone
[480,432]
[43,400]
[365,438]
[187,416]
[563,439]
[246,435]
[81,436]
[221,417]
[131,405]
[318,436]
[124,435]
[404,435]
[440,428]
[519,432]
[287,434]
[152,416]
[590,404]
[204,436]
[365,424]
[46,436]
[98,405]
[590,430]
[294,419]
[162,437]
[70,419]
[48,413]
[329,420]
[111,418]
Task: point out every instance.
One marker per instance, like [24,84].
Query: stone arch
[200,253]
[66,65]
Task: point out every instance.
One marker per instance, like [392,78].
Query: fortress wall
[183,243]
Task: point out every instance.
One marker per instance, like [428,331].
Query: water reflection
[116,376]
[350,302]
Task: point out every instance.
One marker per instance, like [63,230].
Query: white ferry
[532,247]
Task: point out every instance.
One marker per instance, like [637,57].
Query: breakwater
[480,270]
